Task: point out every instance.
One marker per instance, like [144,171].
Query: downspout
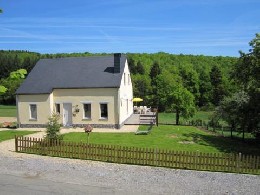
[17,112]
[118,107]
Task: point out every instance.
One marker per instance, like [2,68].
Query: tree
[218,91]
[142,87]
[246,73]
[190,80]
[182,102]
[9,85]
[175,97]
[53,127]
[204,89]
[131,65]
[140,68]
[3,89]
[233,109]
[154,73]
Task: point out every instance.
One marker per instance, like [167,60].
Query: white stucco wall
[93,96]
[125,96]
[43,103]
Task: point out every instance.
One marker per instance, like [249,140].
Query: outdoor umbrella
[137,100]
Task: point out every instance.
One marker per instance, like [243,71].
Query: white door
[67,114]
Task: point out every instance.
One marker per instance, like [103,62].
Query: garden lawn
[7,111]
[178,138]
[170,118]
[10,134]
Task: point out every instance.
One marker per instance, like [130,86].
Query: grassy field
[179,138]
[10,134]
[7,111]
[169,118]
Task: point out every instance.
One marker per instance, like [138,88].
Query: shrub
[53,128]
[13,125]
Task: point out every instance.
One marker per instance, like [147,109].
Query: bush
[53,128]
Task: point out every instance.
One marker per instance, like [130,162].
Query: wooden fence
[238,163]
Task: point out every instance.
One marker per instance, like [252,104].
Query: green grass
[180,138]
[7,111]
[10,134]
[169,118]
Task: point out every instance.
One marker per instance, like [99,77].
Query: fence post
[16,143]
[239,162]
[157,118]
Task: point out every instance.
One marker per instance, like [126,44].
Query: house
[93,90]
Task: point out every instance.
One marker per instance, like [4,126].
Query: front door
[67,114]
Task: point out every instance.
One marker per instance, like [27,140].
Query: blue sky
[200,27]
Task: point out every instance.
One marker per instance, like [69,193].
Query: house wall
[94,96]
[125,96]
[43,103]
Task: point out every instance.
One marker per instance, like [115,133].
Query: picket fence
[237,163]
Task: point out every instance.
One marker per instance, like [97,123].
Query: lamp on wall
[76,110]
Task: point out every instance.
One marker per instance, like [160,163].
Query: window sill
[103,119]
[86,119]
[32,119]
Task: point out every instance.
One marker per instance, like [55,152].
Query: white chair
[145,109]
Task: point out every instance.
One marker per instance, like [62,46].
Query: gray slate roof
[72,72]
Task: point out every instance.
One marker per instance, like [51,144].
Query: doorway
[67,114]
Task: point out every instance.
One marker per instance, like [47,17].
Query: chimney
[117,57]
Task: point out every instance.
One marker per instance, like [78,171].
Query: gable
[73,72]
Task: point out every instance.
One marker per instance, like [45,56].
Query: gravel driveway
[128,178]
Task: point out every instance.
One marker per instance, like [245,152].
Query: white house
[84,90]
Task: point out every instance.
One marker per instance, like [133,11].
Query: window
[57,108]
[124,79]
[87,111]
[33,111]
[103,111]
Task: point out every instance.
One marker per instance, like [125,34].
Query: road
[24,185]
[32,174]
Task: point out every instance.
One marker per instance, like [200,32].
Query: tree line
[206,77]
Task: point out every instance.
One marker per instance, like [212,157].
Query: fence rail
[238,163]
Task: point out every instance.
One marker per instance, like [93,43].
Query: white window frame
[30,111]
[100,111]
[83,104]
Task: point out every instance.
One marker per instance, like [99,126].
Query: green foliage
[3,89]
[246,73]
[14,60]
[140,68]
[232,108]
[9,85]
[218,91]
[175,97]
[53,127]
[190,80]
[19,74]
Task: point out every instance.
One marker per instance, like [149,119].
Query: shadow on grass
[227,145]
